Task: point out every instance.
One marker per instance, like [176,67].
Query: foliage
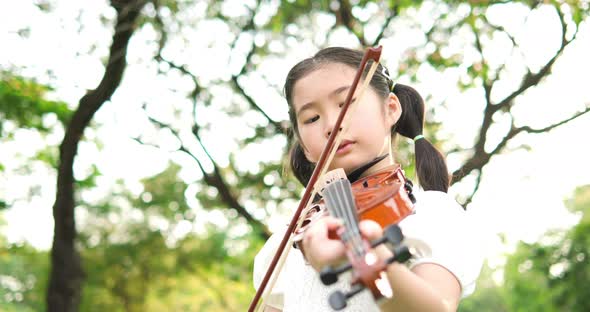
[547,275]
[543,276]
[488,296]
[25,107]
[24,102]
[23,277]
[143,264]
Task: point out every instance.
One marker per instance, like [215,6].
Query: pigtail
[431,166]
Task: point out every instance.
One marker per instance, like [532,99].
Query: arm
[427,287]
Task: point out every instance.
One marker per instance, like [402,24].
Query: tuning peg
[392,234]
[408,186]
[329,275]
[401,255]
[338,299]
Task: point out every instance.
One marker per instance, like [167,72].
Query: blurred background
[142,142]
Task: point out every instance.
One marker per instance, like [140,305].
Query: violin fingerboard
[340,202]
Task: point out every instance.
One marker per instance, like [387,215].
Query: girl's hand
[320,250]
[371,230]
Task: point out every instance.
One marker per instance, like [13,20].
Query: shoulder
[442,232]
[435,202]
[436,211]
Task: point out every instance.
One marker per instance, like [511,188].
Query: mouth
[344,146]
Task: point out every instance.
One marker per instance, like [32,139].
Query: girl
[446,259]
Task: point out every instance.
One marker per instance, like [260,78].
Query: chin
[348,166]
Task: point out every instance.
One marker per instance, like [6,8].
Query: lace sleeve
[261,264]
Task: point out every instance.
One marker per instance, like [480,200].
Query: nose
[330,126]
[330,132]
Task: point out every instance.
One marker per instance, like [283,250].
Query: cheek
[309,138]
[370,128]
[369,119]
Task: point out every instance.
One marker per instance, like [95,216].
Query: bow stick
[321,167]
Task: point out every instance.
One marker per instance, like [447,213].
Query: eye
[311,120]
[342,103]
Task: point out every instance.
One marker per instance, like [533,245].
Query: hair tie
[385,73]
[418,137]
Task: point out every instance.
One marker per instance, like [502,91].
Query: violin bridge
[327,178]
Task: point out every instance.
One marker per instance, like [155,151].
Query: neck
[370,167]
[380,165]
[386,150]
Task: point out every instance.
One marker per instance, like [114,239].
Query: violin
[385,197]
[383,187]
[377,198]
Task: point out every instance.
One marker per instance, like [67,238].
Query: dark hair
[430,164]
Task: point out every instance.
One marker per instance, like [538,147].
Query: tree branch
[557,124]
[475,189]
[480,157]
[216,179]
[345,18]
[237,87]
[234,78]
[392,13]
[531,79]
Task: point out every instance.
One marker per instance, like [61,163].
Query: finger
[370,229]
[320,229]
[333,223]
[324,225]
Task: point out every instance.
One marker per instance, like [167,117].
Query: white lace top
[439,231]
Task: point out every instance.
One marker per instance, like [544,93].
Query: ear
[393,109]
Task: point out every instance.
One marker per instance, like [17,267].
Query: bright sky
[522,192]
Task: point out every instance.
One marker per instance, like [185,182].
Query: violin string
[341,204]
[351,215]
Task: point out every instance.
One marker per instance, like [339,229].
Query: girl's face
[317,98]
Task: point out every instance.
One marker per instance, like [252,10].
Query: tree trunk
[65,281]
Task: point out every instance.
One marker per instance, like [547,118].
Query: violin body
[384,197]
